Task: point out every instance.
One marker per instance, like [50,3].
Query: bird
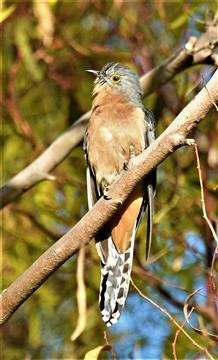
[119,128]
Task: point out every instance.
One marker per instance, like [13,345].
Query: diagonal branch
[40,168]
[203,49]
[200,50]
[82,233]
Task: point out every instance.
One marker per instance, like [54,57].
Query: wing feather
[150,183]
[93,194]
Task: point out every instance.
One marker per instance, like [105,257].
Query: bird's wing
[93,194]
[150,182]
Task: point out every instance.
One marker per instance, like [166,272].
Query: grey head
[121,78]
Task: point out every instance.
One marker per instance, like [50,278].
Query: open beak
[95,72]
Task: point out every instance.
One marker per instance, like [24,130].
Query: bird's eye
[115,78]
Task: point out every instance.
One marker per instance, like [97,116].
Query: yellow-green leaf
[178,22]
[52,2]
[94,354]
[5,13]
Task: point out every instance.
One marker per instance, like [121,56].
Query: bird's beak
[95,72]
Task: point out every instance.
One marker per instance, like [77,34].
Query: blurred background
[46,47]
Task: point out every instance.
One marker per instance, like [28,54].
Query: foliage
[46,47]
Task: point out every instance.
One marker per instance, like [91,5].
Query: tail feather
[115,279]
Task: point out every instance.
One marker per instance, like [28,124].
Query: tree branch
[82,233]
[196,51]
[40,168]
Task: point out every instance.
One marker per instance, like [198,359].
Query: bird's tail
[115,279]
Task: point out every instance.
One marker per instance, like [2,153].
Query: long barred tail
[115,279]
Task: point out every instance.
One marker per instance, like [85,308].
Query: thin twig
[204,207]
[164,311]
[176,336]
[213,102]
[107,342]
[81,296]
[213,261]
[187,316]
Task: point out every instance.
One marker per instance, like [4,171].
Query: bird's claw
[105,194]
[189,142]
[129,162]
[125,165]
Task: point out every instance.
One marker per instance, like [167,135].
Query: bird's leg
[128,163]
[125,165]
[105,193]
[105,189]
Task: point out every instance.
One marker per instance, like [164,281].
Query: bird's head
[120,78]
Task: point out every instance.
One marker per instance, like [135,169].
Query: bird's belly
[106,134]
[110,148]
[114,133]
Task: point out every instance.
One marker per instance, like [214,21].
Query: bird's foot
[189,142]
[105,193]
[125,165]
[131,152]
[128,163]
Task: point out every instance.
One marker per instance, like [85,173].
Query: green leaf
[23,40]
[179,22]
